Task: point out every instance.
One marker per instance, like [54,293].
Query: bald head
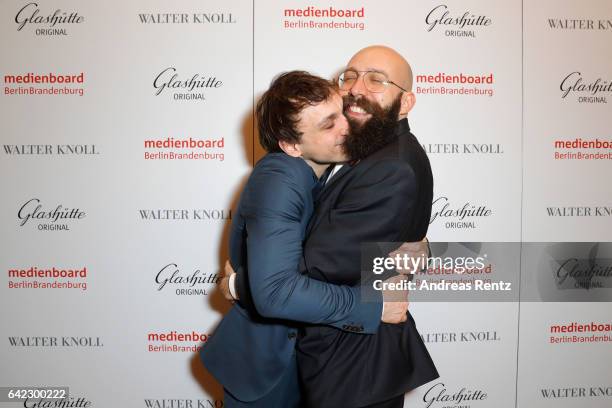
[385,59]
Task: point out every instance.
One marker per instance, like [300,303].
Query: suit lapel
[318,213]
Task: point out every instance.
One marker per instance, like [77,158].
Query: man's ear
[407,103]
[292,149]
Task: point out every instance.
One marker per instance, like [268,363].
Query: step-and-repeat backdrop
[127,135]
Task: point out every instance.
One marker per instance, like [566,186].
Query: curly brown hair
[279,107]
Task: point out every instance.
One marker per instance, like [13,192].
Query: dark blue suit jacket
[249,351]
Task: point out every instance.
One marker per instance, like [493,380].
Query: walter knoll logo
[455,23]
[183,88]
[440,396]
[604,391]
[584,273]
[579,24]
[585,90]
[456,216]
[185,214]
[461,337]
[170,277]
[579,211]
[464,148]
[49,23]
[68,342]
[182,402]
[188,18]
[49,150]
[56,218]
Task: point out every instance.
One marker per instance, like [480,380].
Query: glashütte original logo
[184,89]
[68,402]
[47,23]
[455,24]
[587,273]
[56,219]
[570,271]
[585,90]
[439,396]
[461,216]
[324,18]
[196,283]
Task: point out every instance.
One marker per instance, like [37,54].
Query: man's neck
[319,169]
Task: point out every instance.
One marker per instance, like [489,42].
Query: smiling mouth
[354,109]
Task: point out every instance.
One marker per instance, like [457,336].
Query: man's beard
[373,134]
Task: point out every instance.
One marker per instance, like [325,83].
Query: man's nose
[358,87]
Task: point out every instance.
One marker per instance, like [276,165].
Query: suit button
[291,335]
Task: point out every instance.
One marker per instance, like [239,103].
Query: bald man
[383,196]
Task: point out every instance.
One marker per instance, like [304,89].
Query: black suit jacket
[385,197]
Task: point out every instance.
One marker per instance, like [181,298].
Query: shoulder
[283,166]
[279,181]
[385,165]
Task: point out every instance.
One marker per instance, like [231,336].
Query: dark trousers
[285,394]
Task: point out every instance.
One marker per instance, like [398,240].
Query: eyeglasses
[374,81]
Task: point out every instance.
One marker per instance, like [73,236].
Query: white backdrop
[146,224]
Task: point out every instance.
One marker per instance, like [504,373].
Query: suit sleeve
[272,212]
[377,207]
